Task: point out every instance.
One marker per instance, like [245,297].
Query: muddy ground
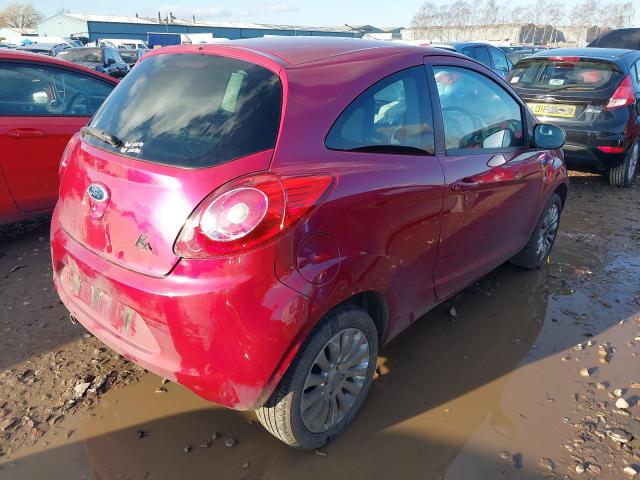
[524,382]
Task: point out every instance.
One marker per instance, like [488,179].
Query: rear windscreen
[191,110]
[565,74]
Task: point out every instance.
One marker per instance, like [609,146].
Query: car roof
[468,44]
[303,50]
[619,54]
[22,56]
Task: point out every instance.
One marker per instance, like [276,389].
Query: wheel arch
[562,191]
[375,305]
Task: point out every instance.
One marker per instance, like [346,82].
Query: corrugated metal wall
[62,26]
[129,30]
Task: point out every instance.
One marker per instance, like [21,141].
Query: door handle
[464,185]
[26,133]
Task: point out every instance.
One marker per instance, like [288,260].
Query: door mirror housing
[548,137]
[111,61]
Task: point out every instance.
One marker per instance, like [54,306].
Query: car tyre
[625,174]
[295,411]
[535,253]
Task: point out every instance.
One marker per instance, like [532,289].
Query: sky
[387,13]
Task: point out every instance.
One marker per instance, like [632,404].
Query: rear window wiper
[391,149]
[103,135]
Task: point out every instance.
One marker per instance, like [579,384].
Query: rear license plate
[552,110]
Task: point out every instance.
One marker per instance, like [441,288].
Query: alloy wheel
[633,162]
[548,230]
[335,380]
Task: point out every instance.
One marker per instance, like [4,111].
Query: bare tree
[459,18]
[20,15]
[426,18]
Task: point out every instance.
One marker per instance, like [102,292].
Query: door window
[500,61]
[482,55]
[34,90]
[477,113]
[392,116]
[108,55]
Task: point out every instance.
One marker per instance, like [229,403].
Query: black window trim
[428,97]
[21,62]
[435,101]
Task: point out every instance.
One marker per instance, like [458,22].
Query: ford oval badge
[98,193]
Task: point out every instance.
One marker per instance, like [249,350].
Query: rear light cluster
[604,149]
[64,160]
[247,213]
[623,96]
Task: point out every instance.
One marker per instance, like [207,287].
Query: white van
[122,43]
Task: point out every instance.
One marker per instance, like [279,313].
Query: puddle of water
[451,397]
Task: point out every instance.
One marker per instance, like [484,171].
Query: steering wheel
[78,104]
[475,118]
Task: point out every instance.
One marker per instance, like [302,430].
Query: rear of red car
[166,204]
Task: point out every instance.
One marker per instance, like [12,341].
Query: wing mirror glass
[548,137]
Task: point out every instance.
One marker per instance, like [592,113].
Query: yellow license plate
[552,110]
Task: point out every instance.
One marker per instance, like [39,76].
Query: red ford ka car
[43,102]
[254,220]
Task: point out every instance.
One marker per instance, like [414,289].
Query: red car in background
[43,102]
[253,220]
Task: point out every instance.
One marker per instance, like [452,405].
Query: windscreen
[89,55]
[569,73]
[191,110]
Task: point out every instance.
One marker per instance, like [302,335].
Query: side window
[499,60]
[33,90]
[392,116]
[637,65]
[468,51]
[482,55]
[477,112]
[116,55]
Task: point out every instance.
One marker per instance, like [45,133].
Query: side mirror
[111,61]
[548,137]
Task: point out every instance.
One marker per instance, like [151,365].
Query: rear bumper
[224,328]
[581,152]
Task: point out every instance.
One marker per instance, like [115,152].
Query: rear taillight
[565,59]
[623,96]
[64,160]
[247,213]
[604,149]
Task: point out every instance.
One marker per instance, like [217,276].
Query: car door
[41,107]
[493,178]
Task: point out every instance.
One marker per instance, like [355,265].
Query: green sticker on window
[231,94]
